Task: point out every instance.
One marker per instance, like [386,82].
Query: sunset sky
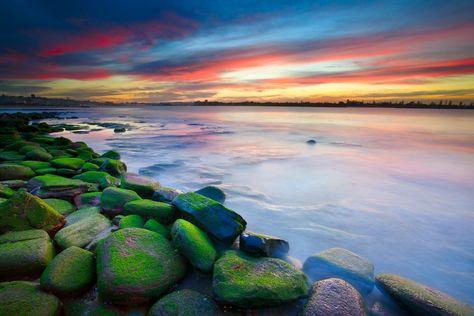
[153,51]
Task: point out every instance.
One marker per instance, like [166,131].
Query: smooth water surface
[394,185]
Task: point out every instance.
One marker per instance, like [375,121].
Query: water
[394,185]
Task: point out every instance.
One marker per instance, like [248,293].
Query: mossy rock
[82,232]
[162,212]
[26,298]
[35,165]
[44,171]
[194,244]
[2,200]
[213,193]
[87,199]
[114,199]
[15,172]
[24,253]
[70,273]
[68,163]
[420,299]
[6,192]
[14,184]
[263,245]
[114,167]
[81,214]
[165,194]
[9,155]
[99,161]
[144,186]
[55,186]
[103,179]
[89,167]
[112,154]
[136,266]
[25,211]
[157,227]
[38,154]
[184,303]
[58,153]
[247,281]
[62,206]
[130,221]
[30,147]
[215,219]
[44,139]
[85,155]
[65,172]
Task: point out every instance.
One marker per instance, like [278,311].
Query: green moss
[213,192]
[65,172]
[144,186]
[62,206]
[111,154]
[114,199]
[35,165]
[135,266]
[24,253]
[56,186]
[82,232]
[27,148]
[87,199]
[6,192]
[71,272]
[89,167]
[85,155]
[9,155]
[184,303]
[131,221]
[114,167]
[44,139]
[81,214]
[15,172]
[38,154]
[103,179]
[44,171]
[26,298]
[157,227]
[255,281]
[162,212]
[69,163]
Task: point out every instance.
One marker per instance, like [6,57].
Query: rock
[112,154]
[44,171]
[14,184]
[311,142]
[135,266]
[120,130]
[71,272]
[420,299]
[35,165]
[213,192]
[248,281]
[144,186]
[15,172]
[157,227]
[53,186]
[164,194]
[162,212]
[101,178]
[25,211]
[116,220]
[25,298]
[30,147]
[114,167]
[87,306]
[334,297]
[89,167]
[6,192]
[25,253]
[9,155]
[215,219]
[82,232]
[2,200]
[194,244]
[341,263]
[38,154]
[64,172]
[62,206]
[68,163]
[82,214]
[87,199]
[184,302]
[263,245]
[114,199]
[131,221]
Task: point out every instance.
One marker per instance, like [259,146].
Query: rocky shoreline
[81,236]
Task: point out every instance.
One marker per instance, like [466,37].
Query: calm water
[394,185]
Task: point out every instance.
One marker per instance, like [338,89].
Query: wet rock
[130,221]
[26,298]
[120,130]
[14,184]
[89,167]
[38,154]
[116,220]
[184,302]
[344,264]
[112,154]
[68,163]
[114,167]
[213,193]
[165,194]
[62,206]
[420,299]
[114,199]
[101,178]
[30,147]
[24,253]
[15,172]
[53,186]
[162,212]
[311,142]
[87,199]
[25,211]
[215,219]
[6,192]
[81,214]
[35,165]
[82,232]
[70,273]
[118,256]
[157,227]
[263,245]
[144,186]
[334,297]
[248,281]
[194,244]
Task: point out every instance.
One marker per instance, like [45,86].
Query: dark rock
[114,167]
[144,186]
[263,245]
[212,192]
[184,302]
[311,142]
[15,172]
[165,194]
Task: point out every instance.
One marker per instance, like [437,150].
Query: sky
[172,51]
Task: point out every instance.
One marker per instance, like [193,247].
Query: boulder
[14,184]
[248,281]
[186,303]
[70,273]
[341,263]
[165,194]
[25,253]
[311,142]
[87,199]
[44,171]
[35,165]
[82,232]
[29,147]
[15,172]
[131,221]
[157,227]
[135,266]
[162,212]
[25,211]
[53,186]
[263,245]
[101,178]
[420,299]
[68,163]
[88,166]
[213,192]
[144,186]
[62,206]
[6,192]
[215,219]
[194,244]
[112,154]
[10,155]
[26,298]
[81,214]
[114,167]
[114,199]
[65,172]
[38,154]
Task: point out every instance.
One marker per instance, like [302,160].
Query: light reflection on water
[393,185]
